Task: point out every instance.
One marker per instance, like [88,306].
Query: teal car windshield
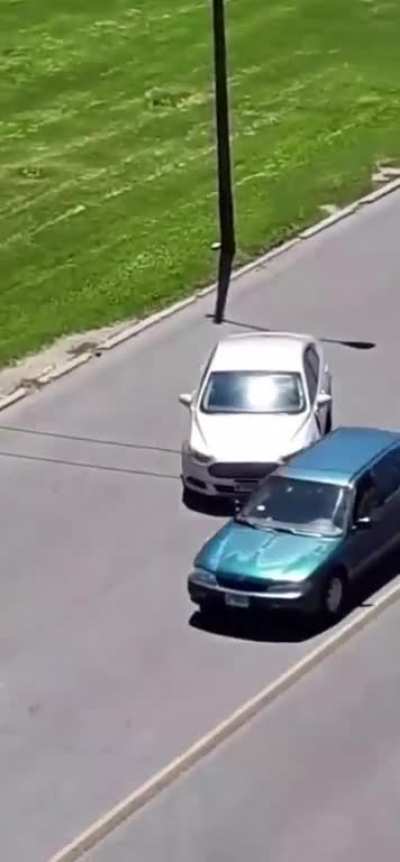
[298,506]
[253,392]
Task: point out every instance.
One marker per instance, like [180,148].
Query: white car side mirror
[324,399]
[186,399]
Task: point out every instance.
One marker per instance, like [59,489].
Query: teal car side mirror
[363,523]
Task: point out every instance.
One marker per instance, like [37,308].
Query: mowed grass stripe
[107,168]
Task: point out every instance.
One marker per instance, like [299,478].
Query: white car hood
[249,437]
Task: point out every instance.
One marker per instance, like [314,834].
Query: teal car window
[386,474]
[299,505]
[253,392]
[367,497]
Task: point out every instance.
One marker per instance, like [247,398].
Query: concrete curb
[135,329]
[64,369]
[223,731]
[19,393]
[330,220]
[386,189]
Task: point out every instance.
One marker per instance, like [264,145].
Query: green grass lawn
[107,167]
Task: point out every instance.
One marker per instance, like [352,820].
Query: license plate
[235,601]
[245,487]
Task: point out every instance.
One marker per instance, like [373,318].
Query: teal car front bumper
[303,596]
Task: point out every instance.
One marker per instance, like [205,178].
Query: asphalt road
[103,676]
[315,777]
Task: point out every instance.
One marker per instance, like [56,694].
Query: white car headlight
[201,457]
[201,576]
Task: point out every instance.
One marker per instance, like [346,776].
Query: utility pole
[225,195]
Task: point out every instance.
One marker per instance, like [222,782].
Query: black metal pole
[225,195]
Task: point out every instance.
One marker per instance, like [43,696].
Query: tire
[334,597]
[328,425]
[190,498]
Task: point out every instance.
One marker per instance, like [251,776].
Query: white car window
[314,361]
[253,392]
[205,369]
[311,368]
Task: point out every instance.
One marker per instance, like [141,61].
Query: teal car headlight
[286,587]
[204,578]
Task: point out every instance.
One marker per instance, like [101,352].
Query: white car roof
[270,351]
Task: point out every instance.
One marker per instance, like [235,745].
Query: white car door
[312,380]
[318,382]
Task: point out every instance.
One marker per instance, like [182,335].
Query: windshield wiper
[293,531]
[259,525]
[314,534]
[308,531]
[240,519]
[280,529]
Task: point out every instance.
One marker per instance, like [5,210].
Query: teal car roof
[342,455]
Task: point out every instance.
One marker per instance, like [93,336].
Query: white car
[261,398]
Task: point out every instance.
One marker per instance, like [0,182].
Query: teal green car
[313,527]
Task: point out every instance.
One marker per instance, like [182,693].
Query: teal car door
[364,540]
[386,475]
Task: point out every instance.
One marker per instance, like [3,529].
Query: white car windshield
[253,392]
[299,506]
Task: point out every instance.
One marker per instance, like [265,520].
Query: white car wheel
[328,425]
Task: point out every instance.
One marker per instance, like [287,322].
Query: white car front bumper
[223,479]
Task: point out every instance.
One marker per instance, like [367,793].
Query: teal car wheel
[334,596]
[190,498]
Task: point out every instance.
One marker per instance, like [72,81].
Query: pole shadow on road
[281,627]
[354,345]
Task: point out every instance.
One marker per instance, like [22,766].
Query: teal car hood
[241,550]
